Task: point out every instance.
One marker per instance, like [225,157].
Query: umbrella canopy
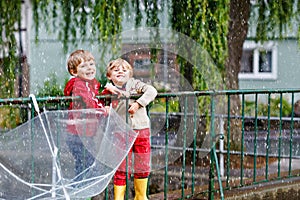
[63,154]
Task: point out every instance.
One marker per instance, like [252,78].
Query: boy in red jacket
[82,68]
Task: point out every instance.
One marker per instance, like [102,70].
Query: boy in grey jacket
[120,72]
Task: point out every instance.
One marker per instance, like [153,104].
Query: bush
[262,108]
[50,87]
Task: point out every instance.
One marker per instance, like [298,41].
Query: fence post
[221,146]
[212,158]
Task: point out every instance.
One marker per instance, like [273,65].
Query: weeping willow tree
[206,22]
[10,18]
[218,26]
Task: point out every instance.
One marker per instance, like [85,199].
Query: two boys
[81,65]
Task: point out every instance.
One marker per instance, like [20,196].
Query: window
[142,64]
[259,61]
[142,67]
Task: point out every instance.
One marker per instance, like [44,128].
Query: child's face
[86,70]
[119,76]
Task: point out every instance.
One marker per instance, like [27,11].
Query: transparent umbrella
[63,154]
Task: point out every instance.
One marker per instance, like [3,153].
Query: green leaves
[274,18]
[75,21]
[10,16]
[205,21]
[50,88]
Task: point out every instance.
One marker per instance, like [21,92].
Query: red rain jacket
[87,90]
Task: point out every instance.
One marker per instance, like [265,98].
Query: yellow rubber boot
[140,188]
[119,191]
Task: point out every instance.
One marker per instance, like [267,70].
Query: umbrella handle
[35,104]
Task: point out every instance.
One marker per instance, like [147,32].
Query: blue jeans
[83,158]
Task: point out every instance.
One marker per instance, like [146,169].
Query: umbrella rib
[53,152]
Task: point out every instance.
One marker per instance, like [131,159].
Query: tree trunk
[238,27]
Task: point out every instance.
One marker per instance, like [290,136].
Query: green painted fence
[218,150]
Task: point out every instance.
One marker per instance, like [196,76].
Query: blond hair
[118,63]
[76,58]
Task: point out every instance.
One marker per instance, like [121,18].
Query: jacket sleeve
[69,87]
[148,92]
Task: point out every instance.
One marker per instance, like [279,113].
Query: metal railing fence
[217,150]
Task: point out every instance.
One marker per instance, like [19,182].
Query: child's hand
[113,89]
[134,107]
